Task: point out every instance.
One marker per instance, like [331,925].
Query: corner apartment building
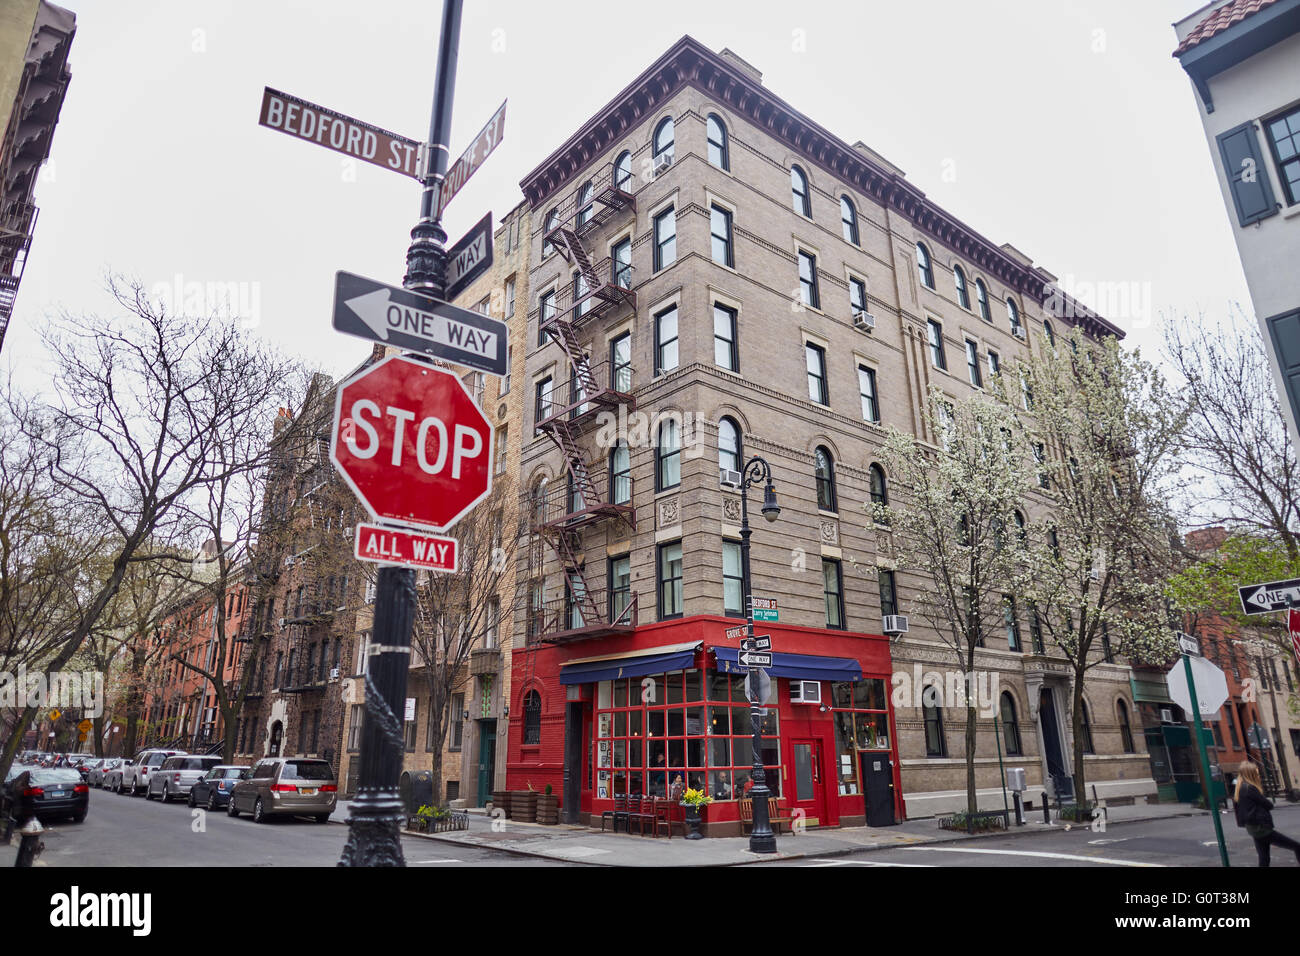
[1243,58]
[715,277]
[35,38]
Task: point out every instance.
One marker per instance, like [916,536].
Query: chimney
[744,66]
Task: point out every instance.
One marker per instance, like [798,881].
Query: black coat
[1253,808]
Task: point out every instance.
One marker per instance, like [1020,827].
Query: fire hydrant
[31,845]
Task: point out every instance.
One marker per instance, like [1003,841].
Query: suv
[177,774]
[286,786]
[135,773]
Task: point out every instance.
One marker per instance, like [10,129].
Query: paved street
[126,831]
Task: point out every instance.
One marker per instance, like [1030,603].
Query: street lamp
[761,838]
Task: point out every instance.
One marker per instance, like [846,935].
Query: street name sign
[481,147]
[411,443]
[410,549]
[1211,686]
[469,258]
[418,323]
[765,609]
[755,659]
[343,134]
[1266,598]
[737,632]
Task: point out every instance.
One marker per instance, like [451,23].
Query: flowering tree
[954,524]
[1107,430]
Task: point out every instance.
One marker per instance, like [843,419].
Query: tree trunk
[437,763]
[98,731]
[972,802]
[1077,726]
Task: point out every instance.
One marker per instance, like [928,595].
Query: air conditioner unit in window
[288,561]
[864,321]
[1166,715]
[805,692]
[662,162]
[334,674]
[1018,332]
[895,624]
[729,476]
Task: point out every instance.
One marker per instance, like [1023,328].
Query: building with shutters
[1243,59]
[715,276]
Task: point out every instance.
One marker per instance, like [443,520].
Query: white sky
[1064,128]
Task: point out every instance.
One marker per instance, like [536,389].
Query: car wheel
[230,808]
[190,802]
[259,813]
[322,818]
[212,800]
[165,795]
[79,817]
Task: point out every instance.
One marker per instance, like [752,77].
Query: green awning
[1150,691]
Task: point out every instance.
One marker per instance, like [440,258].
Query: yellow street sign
[55,714]
[85,726]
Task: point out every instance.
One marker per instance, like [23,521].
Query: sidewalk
[577,844]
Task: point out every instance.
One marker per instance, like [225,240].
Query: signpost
[1205,699]
[1267,598]
[410,549]
[343,134]
[383,313]
[469,258]
[480,149]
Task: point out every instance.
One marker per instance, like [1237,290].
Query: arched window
[1010,729]
[924,266]
[1047,331]
[982,299]
[1013,316]
[963,293]
[663,149]
[1086,730]
[539,502]
[620,474]
[532,717]
[585,205]
[1125,728]
[623,171]
[825,472]
[1021,531]
[668,455]
[799,192]
[717,132]
[552,220]
[849,220]
[932,714]
[879,490]
[728,445]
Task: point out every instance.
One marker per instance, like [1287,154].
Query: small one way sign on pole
[1266,598]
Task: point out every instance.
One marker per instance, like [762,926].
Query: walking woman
[1254,813]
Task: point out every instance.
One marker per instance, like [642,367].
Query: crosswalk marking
[1034,853]
[820,862]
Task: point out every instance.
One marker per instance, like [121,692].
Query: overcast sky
[1064,128]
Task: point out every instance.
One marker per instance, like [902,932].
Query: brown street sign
[486,141]
[343,134]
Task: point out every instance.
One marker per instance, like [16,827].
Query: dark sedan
[45,794]
[212,790]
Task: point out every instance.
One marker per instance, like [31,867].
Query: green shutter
[1243,164]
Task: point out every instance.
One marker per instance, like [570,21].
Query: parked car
[48,793]
[135,776]
[86,766]
[286,786]
[177,774]
[212,790]
[99,773]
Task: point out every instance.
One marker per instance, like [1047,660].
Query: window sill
[1291,211]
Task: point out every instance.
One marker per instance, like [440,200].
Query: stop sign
[1211,686]
[411,443]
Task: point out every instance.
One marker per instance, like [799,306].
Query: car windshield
[306,770]
[56,775]
[232,773]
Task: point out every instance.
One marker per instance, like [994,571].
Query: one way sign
[398,317]
[1266,598]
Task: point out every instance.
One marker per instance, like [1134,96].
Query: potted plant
[501,799]
[523,804]
[693,800]
[548,807]
[424,816]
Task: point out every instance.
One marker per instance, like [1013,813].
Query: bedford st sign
[343,134]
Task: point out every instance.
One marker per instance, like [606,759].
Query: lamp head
[771,510]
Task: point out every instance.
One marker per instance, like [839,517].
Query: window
[808,293]
[532,718]
[973,364]
[867,392]
[623,171]
[668,455]
[575,598]
[1013,316]
[510,362]
[502,432]
[833,592]
[670,580]
[1125,728]
[493,627]
[717,134]
[849,220]
[728,444]
[620,585]
[824,469]
[582,304]
[552,220]
[720,226]
[585,204]
[665,238]
[1106,653]
[733,584]
[545,312]
[620,474]
[410,726]
[924,266]
[663,142]
[815,359]
[1086,729]
[933,716]
[724,338]
[621,255]
[666,340]
[937,356]
[456,732]
[355,724]
[1026,392]
[879,490]
[799,192]
[1010,729]
[1049,334]
[857,296]
[888,593]
[543,402]
[1035,628]
[1012,622]
[620,362]
[1284,138]
[995,364]
[1040,457]
[963,293]
[982,299]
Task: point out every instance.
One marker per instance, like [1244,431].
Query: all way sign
[1266,598]
[411,549]
[384,313]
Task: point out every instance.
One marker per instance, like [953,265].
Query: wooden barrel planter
[548,809]
[523,806]
[501,799]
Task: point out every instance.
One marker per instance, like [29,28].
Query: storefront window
[861,723]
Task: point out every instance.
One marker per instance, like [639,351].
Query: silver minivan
[286,786]
[135,773]
[177,774]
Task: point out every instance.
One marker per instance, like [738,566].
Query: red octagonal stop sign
[411,443]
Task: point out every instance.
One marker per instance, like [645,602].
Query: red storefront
[632,713]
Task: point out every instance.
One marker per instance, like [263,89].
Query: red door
[804,787]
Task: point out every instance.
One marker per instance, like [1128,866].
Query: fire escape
[17,221]
[590,495]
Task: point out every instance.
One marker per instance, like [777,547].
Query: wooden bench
[776,814]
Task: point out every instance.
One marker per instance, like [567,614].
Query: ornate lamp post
[761,838]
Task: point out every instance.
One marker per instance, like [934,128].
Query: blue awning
[653,660]
[797,666]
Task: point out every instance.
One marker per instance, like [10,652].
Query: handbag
[1259,831]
